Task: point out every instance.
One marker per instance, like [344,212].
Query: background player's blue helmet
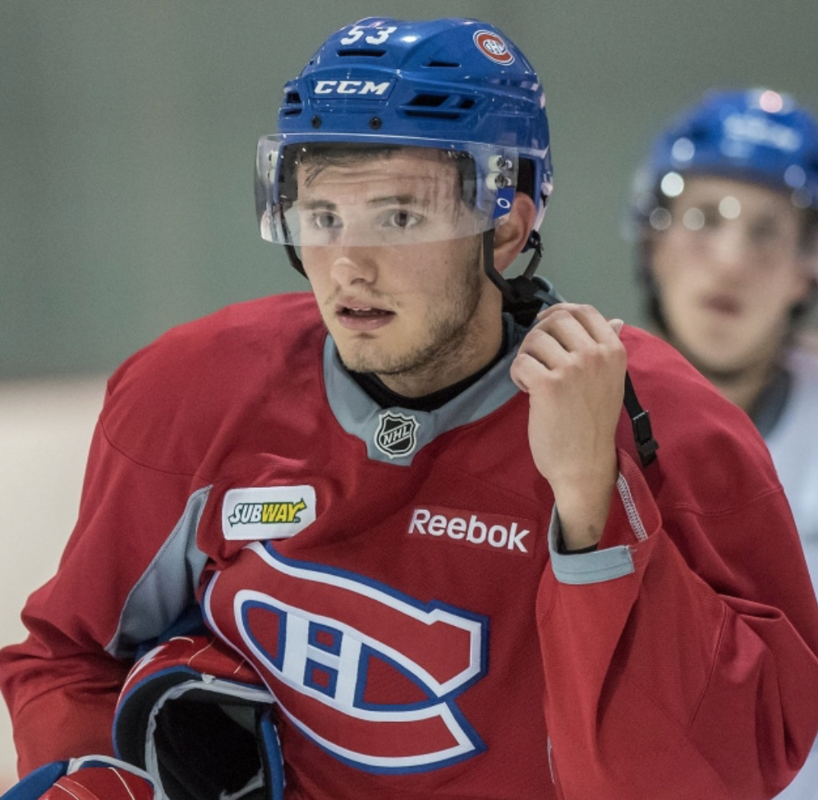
[457,85]
[759,136]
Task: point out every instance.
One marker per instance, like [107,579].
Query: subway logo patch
[267,512]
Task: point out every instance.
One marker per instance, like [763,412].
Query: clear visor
[330,193]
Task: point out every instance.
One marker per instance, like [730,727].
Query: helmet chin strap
[526,295]
[294,260]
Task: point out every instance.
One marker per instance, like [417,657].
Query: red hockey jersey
[393,576]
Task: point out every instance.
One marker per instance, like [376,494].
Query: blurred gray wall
[128,130]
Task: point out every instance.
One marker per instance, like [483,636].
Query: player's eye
[764,231]
[402,218]
[711,218]
[325,220]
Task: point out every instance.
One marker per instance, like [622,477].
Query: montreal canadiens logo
[370,675]
[493,47]
[397,434]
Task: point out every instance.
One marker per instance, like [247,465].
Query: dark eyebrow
[394,199]
[313,204]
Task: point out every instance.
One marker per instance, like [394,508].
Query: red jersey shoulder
[710,454]
[204,375]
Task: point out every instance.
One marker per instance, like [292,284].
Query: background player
[728,252]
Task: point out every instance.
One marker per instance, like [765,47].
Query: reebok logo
[486,531]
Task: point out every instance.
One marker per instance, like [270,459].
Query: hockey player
[726,205]
[447,552]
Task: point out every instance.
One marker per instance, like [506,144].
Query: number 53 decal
[380,37]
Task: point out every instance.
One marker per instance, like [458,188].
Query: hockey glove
[197,718]
[88,778]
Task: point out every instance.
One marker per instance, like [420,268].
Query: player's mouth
[357,316]
[722,304]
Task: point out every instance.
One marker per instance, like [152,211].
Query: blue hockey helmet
[459,86]
[757,135]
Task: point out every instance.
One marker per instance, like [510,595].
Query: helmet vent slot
[361,51]
[292,104]
[444,64]
[438,106]
[428,100]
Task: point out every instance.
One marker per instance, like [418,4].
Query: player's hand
[572,365]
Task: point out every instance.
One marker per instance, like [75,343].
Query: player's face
[728,271]
[411,304]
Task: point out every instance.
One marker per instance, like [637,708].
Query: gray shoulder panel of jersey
[360,416]
[168,585]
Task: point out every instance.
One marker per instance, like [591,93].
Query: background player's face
[416,308]
[728,271]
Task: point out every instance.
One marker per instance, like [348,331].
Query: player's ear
[512,234]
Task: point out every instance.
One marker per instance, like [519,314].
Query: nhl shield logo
[397,434]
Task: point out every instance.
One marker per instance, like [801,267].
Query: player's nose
[353,265]
[731,250]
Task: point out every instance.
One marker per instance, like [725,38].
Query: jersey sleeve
[128,570]
[680,655]
[134,562]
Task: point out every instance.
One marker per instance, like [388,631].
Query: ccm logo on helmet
[349,88]
[493,47]
[491,531]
